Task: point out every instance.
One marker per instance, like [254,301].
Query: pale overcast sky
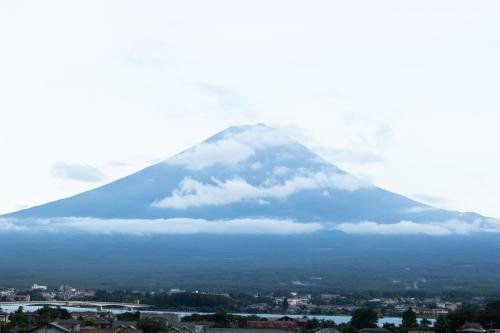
[406,93]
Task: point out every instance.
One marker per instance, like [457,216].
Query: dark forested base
[328,261]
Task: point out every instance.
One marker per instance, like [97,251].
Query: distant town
[67,309]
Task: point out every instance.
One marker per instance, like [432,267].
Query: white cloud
[280,171]
[186,226]
[420,209]
[234,147]
[226,152]
[9,226]
[452,227]
[256,166]
[161,226]
[192,193]
[79,172]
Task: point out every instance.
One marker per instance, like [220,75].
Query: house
[244,330]
[299,321]
[82,315]
[72,325]
[375,330]
[186,327]
[167,317]
[117,324]
[19,298]
[102,323]
[38,287]
[286,325]
[49,328]
[98,330]
[328,330]
[471,328]
[127,330]
[4,316]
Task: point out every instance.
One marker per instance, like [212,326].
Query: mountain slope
[244,172]
[248,209]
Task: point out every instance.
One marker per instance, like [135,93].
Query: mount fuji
[249,208]
[245,172]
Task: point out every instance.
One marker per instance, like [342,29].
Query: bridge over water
[98,305]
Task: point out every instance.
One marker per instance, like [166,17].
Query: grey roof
[245,330]
[67,323]
[55,325]
[181,324]
[375,329]
[124,324]
[471,327]
[328,330]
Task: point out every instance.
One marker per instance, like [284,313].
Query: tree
[390,326]
[18,319]
[151,326]
[49,314]
[409,319]
[490,316]
[364,318]
[454,320]
[284,306]
[425,325]
[129,316]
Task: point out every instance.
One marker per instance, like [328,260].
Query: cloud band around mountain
[262,226]
[78,172]
[173,226]
[445,228]
[193,193]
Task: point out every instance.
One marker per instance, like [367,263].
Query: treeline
[368,318]
[222,319]
[19,321]
[489,317]
[183,301]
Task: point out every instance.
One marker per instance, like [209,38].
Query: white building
[38,287]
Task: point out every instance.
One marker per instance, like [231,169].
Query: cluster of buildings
[106,322]
[13,295]
[43,292]
[345,304]
[294,302]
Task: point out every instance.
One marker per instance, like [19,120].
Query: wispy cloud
[264,226]
[192,193]
[348,155]
[230,149]
[451,227]
[420,209]
[140,227]
[430,199]
[10,226]
[225,152]
[78,172]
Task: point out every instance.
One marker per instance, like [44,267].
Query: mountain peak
[258,132]
[243,143]
[243,171]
